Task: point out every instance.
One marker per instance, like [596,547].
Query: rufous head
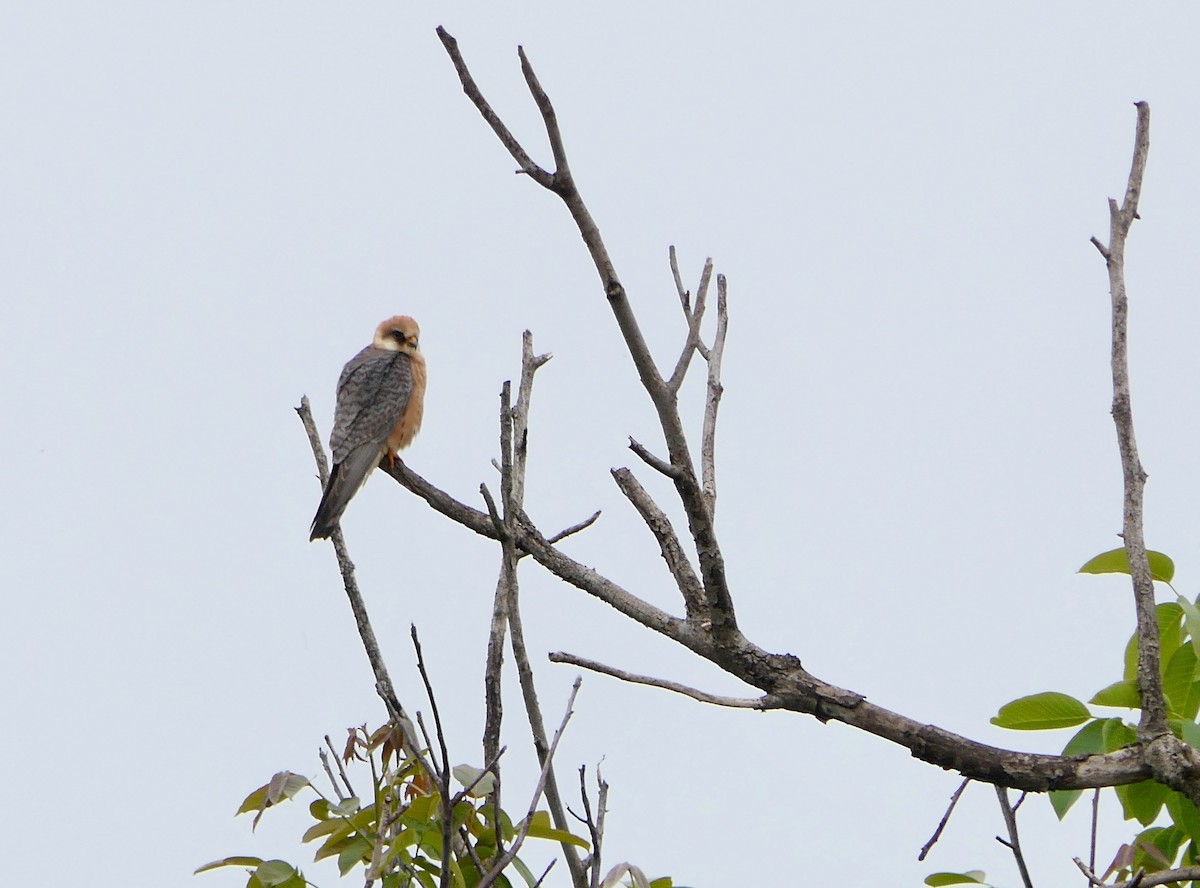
[399,333]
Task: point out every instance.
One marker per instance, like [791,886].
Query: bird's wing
[373,392]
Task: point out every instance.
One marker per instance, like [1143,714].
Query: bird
[380,402]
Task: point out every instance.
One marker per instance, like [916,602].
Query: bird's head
[400,333]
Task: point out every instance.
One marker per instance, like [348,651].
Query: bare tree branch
[1154,716]
[514,446]
[694,318]
[442,776]
[760,703]
[1173,762]
[574,528]
[937,833]
[519,838]
[1014,841]
[700,524]
[668,542]
[383,681]
[708,465]
[657,463]
[782,675]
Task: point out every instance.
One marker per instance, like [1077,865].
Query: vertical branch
[500,612]
[442,776]
[506,611]
[708,437]
[1154,717]
[1014,841]
[383,681]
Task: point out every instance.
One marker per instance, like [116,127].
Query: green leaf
[346,808]
[1120,693]
[1179,681]
[1142,801]
[1118,735]
[1184,814]
[541,828]
[1162,568]
[1191,617]
[664,882]
[1061,800]
[525,872]
[323,828]
[1156,847]
[1041,712]
[1189,732]
[319,809]
[974,877]
[229,861]
[468,774]
[274,873]
[256,801]
[1088,740]
[355,852]
[1169,616]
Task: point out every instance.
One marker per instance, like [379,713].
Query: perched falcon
[380,399]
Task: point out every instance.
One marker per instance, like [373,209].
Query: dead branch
[1014,842]
[519,838]
[561,183]
[1154,716]
[760,703]
[514,449]
[668,543]
[383,681]
[937,833]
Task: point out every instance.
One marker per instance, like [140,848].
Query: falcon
[380,400]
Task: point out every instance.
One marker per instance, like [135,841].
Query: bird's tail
[344,481]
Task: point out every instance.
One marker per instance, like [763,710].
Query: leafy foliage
[1154,848]
[396,833]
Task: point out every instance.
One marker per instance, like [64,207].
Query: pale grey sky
[206,208]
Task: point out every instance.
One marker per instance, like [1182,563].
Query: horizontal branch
[761,703]
[783,678]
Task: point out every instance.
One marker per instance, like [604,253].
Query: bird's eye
[398,335]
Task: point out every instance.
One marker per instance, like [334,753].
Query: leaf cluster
[396,833]
[1154,848]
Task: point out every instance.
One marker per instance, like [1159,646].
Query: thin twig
[574,528]
[443,775]
[684,296]
[695,318]
[502,133]
[494,703]
[708,465]
[595,826]
[657,463]
[1095,825]
[519,838]
[937,833]
[488,768]
[668,543]
[1014,841]
[545,872]
[337,760]
[1088,872]
[762,703]
[337,789]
